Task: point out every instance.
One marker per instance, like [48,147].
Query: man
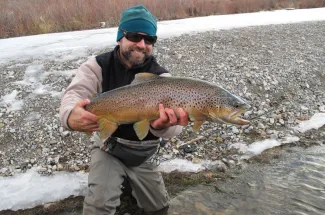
[113,160]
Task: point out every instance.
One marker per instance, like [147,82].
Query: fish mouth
[235,117]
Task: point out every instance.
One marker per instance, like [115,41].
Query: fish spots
[143,98]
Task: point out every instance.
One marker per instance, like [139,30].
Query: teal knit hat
[137,19]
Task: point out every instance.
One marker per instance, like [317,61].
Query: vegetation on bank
[30,17]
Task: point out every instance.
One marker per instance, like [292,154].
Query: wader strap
[111,142]
[131,153]
[146,143]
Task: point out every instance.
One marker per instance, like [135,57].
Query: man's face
[134,53]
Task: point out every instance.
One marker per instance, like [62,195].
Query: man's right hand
[82,120]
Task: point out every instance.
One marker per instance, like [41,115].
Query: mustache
[137,49]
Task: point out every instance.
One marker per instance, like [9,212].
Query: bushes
[311,3]
[28,17]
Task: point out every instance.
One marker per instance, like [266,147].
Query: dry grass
[28,17]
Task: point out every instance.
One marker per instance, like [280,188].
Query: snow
[315,122]
[10,102]
[30,189]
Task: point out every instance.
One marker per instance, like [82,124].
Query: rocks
[59,167]
[218,166]
[3,170]
[322,109]
[281,79]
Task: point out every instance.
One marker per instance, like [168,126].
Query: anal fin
[197,125]
[142,128]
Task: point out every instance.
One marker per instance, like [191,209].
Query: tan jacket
[86,83]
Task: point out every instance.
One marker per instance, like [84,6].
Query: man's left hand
[168,118]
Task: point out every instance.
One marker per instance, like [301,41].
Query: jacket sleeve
[168,132]
[85,84]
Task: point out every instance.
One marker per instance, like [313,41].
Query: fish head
[228,108]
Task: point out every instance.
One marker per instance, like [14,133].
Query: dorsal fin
[144,76]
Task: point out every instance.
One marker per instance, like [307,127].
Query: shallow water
[292,184]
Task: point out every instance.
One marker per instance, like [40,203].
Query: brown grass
[29,17]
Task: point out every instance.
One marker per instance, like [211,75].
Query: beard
[136,56]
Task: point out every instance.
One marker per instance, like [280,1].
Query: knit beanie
[137,19]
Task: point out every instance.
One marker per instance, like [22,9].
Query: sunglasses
[135,37]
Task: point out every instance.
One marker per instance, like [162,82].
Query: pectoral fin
[142,128]
[197,125]
[106,128]
[89,133]
[213,114]
[196,115]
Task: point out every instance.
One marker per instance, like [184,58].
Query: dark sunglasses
[135,37]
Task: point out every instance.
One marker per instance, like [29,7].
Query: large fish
[138,103]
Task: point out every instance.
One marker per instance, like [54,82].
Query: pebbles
[280,74]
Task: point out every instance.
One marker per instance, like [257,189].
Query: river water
[292,184]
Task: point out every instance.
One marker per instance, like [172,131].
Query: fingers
[177,118]
[168,117]
[183,117]
[171,116]
[85,114]
[88,116]
[82,120]
[91,127]
[87,123]
[162,113]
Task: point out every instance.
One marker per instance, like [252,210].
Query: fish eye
[237,105]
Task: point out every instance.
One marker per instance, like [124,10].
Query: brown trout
[138,103]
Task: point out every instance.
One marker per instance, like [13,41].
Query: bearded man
[113,161]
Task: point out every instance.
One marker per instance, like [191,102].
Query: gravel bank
[279,69]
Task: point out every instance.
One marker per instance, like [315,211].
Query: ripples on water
[292,185]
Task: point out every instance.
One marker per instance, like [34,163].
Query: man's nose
[141,43]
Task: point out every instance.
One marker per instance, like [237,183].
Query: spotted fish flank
[138,103]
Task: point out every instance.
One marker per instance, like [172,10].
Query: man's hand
[82,120]
[169,118]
